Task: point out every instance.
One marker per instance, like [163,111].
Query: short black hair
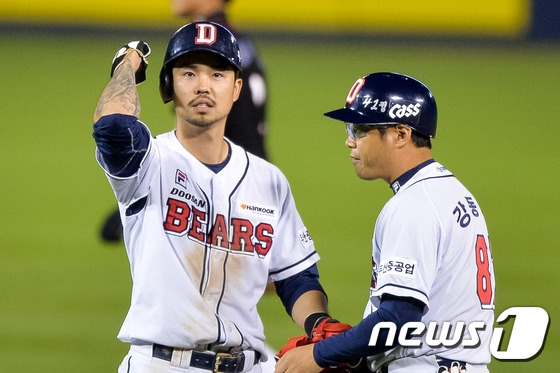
[420,140]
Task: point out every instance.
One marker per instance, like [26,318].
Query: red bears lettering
[245,237]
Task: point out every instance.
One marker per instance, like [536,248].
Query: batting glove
[143,50]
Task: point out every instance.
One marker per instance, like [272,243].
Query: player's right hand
[143,50]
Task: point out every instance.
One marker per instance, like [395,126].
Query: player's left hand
[143,50]
[298,360]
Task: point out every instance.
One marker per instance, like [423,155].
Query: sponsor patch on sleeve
[305,238]
[397,266]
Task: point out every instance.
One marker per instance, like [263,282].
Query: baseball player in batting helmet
[246,123]
[433,281]
[388,98]
[207,225]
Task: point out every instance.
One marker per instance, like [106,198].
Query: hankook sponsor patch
[257,210]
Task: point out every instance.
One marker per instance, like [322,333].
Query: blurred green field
[64,293]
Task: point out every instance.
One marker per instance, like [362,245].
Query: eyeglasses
[358,131]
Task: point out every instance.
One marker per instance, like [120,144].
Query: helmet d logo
[206,34]
[353,94]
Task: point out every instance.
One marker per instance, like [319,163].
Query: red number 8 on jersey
[485,286]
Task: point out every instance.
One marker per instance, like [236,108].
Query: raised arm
[122,140]
[128,69]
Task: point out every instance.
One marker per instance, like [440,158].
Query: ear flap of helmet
[165,85]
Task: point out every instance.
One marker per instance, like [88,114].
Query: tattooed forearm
[120,95]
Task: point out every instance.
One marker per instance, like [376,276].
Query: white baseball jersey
[205,245]
[431,243]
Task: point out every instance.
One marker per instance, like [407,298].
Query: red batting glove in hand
[293,342]
[327,328]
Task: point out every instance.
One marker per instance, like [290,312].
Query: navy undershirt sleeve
[350,346]
[122,141]
[290,289]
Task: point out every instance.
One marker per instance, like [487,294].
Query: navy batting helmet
[197,36]
[390,98]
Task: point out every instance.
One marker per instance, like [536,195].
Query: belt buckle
[219,360]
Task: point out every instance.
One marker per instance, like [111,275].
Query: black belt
[216,362]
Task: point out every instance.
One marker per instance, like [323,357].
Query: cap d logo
[206,33]
[356,88]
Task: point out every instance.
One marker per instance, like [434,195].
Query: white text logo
[400,111]
[526,339]
[527,336]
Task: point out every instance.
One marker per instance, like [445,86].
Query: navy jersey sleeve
[290,289]
[353,344]
[122,142]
